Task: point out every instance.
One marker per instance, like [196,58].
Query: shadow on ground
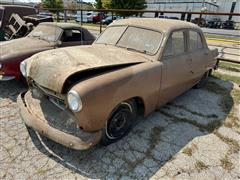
[154,140]
[11,89]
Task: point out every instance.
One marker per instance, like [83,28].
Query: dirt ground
[196,136]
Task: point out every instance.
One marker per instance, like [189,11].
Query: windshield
[132,38]
[46,32]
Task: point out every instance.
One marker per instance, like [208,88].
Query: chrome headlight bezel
[74,101]
[23,68]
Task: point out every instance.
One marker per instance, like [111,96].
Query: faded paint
[154,79]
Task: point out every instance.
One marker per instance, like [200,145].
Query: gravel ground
[196,136]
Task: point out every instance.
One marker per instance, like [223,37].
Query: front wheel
[120,122]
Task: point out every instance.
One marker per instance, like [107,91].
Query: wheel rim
[120,122]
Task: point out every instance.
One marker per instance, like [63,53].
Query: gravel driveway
[190,138]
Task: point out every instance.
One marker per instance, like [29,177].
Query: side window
[175,44]
[72,35]
[195,41]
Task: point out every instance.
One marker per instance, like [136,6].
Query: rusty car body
[45,36]
[80,96]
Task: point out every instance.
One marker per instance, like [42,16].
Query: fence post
[183,16]
[189,16]
[81,17]
[100,26]
[156,14]
[199,20]
[65,15]
[57,15]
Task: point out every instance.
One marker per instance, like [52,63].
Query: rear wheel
[120,122]
[203,80]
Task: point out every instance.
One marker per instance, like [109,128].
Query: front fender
[101,94]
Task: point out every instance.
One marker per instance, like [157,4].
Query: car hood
[17,47]
[50,69]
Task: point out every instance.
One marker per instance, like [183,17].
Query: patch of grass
[229,66]
[227,100]
[226,163]
[188,151]
[221,37]
[226,77]
[199,165]
[42,171]
[232,143]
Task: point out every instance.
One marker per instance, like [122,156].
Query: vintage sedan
[44,37]
[80,96]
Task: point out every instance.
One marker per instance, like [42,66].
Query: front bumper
[54,123]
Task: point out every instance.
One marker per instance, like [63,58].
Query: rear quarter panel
[101,94]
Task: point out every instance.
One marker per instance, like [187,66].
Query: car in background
[228,24]
[214,23]
[176,18]
[44,37]
[45,13]
[80,96]
[6,12]
[87,17]
[98,17]
[163,17]
[199,21]
[108,20]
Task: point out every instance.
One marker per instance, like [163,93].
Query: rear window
[195,41]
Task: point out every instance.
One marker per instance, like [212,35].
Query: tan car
[80,96]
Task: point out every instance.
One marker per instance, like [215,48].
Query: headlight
[74,101]
[23,68]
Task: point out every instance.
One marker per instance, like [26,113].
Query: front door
[176,72]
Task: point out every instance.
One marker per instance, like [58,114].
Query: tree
[124,4]
[98,4]
[56,4]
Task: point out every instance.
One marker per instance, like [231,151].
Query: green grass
[226,77]
[200,165]
[229,66]
[222,37]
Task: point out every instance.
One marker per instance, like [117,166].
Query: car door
[72,37]
[199,55]
[175,70]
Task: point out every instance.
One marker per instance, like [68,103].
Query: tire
[203,80]
[120,122]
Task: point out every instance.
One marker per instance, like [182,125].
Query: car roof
[63,25]
[163,25]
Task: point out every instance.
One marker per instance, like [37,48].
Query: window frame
[185,34]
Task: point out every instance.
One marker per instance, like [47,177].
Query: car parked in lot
[44,37]
[80,96]
[6,12]
[108,20]
[214,23]
[98,17]
[228,24]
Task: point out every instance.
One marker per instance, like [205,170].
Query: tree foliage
[123,4]
[98,4]
[56,4]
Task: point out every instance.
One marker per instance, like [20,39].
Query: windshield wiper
[137,50]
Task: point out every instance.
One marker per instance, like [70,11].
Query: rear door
[176,76]
[199,54]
